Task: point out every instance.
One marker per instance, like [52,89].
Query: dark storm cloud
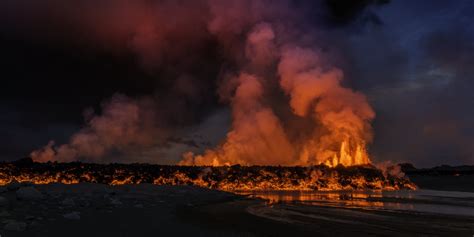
[342,12]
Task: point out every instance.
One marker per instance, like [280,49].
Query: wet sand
[407,213]
[149,210]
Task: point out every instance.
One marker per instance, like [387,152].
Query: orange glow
[336,120]
[347,157]
[351,199]
[234,178]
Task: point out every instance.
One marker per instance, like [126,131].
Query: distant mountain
[410,169]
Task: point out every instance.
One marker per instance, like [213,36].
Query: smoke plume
[124,125]
[256,138]
[288,103]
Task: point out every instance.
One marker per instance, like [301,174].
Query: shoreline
[150,210]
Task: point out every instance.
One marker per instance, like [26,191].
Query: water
[420,201]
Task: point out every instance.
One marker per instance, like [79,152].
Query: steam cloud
[289,106]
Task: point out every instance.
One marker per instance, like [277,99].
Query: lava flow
[227,178]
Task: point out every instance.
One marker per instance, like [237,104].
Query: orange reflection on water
[337,199]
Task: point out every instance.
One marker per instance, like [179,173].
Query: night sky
[414,60]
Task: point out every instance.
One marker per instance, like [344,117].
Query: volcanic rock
[4,214]
[4,202]
[15,226]
[233,178]
[72,216]
[115,202]
[68,202]
[27,161]
[28,193]
[26,184]
[13,186]
[34,224]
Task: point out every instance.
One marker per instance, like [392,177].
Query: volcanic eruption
[289,105]
[236,118]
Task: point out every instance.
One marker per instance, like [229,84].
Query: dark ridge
[409,169]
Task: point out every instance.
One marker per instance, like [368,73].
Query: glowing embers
[228,178]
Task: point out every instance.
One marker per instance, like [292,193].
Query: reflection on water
[428,201]
[347,199]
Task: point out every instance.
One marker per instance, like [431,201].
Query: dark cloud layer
[437,114]
[341,12]
[419,77]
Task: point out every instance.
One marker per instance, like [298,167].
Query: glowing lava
[348,158]
[227,178]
